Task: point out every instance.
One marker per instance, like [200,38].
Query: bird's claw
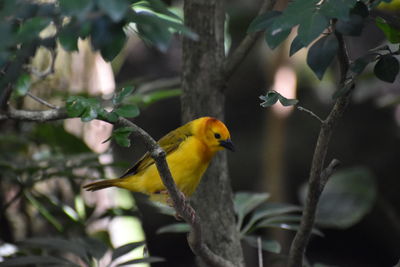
[186,208]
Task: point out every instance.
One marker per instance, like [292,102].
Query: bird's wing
[169,142]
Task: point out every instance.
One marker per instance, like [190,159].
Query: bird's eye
[217,135]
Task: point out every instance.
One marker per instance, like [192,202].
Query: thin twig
[316,180]
[234,60]
[327,172]
[182,207]
[41,101]
[310,113]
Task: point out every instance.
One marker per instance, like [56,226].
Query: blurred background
[359,221]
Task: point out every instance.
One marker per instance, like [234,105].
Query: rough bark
[203,84]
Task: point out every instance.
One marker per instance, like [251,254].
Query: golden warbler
[189,149]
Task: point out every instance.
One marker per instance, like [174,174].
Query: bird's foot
[186,208]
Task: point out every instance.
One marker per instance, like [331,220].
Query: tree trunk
[203,95]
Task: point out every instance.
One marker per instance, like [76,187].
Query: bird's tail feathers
[102,184]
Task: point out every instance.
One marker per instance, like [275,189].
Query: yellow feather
[189,149]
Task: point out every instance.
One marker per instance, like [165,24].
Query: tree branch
[318,176]
[312,114]
[234,60]
[158,154]
[41,101]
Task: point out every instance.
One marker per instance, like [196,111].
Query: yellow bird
[189,149]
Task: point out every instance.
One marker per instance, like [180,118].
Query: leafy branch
[319,175]
[181,205]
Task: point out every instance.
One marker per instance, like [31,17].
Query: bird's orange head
[213,133]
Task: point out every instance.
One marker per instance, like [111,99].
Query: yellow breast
[187,165]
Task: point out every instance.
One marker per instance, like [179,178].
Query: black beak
[227,144]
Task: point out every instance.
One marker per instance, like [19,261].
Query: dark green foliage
[391,33]
[315,18]
[263,21]
[121,136]
[272,97]
[387,68]
[295,46]
[349,196]
[360,63]
[128,111]
[253,213]
[103,21]
[35,251]
[321,54]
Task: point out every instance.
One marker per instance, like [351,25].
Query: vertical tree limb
[315,186]
[202,82]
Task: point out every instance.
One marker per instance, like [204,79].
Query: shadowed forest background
[45,164]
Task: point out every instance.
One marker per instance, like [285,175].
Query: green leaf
[89,114]
[68,37]
[321,54]
[295,46]
[351,26]
[348,196]
[174,228]
[387,68]
[124,130]
[272,97]
[312,27]
[31,28]
[108,37]
[391,33]
[296,13]
[57,244]
[360,63]
[119,97]
[109,116]
[51,134]
[153,29]
[121,136]
[23,84]
[269,99]
[75,107]
[116,9]
[93,246]
[263,21]
[150,98]
[266,210]
[282,219]
[272,246]
[124,249]
[360,9]
[275,36]
[41,260]
[85,108]
[287,102]
[42,210]
[128,111]
[75,7]
[114,47]
[143,260]
[288,226]
[339,9]
[245,202]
